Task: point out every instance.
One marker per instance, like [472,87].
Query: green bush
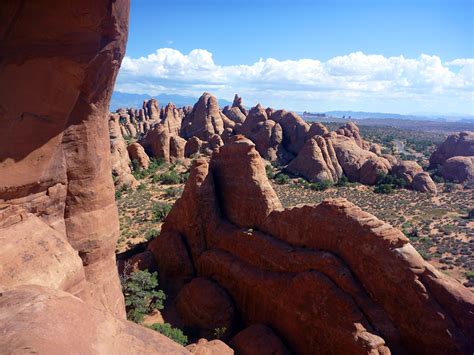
[387,179]
[141,293]
[220,332]
[320,186]
[173,333]
[159,211]
[169,178]
[151,234]
[282,179]
[171,192]
[269,171]
[383,189]
[142,186]
[343,181]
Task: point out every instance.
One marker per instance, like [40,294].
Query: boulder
[253,339]
[137,152]
[213,347]
[346,281]
[422,182]
[159,143]
[458,169]
[316,161]
[351,130]
[406,170]
[192,147]
[204,305]
[458,144]
[317,129]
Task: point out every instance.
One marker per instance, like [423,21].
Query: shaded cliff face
[326,278]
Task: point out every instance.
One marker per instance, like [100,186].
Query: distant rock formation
[161,144]
[205,119]
[455,157]
[237,112]
[119,155]
[328,278]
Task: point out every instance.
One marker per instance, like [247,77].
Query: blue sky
[398,56]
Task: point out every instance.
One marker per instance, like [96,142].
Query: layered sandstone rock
[171,118]
[295,130]
[205,119]
[351,130]
[327,278]
[60,291]
[237,112]
[458,169]
[137,153]
[317,161]
[406,170]
[459,144]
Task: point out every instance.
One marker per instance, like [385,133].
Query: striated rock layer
[328,278]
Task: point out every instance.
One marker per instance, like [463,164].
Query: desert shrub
[159,211]
[282,179]
[269,172]
[219,332]
[118,194]
[142,186]
[320,186]
[387,179]
[169,178]
[470,214]
[343,181]
[184,177]
[175,334]
[151,234]
[171,192]
[449,187]
[141,293]
[438,179]
[384,189]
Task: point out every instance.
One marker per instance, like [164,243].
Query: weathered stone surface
[204,305]
[316,161]
[351,130]
[406,170]
[357,163]
[213,347]
[295,130]
[119,156]
[159,143]
[137,152]
[346,281]
[424,183]
[58,68]
[205,119]
[44,321]
[317,129]
[266,134]
[237,112]
[458,169]
[459,144]
[257,339]
[193,147]
[171,118]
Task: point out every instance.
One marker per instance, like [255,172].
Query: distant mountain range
[122,99]
[396,116]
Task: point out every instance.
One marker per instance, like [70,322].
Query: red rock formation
[422,182]
[119,155]
[458,169]
[407,170]
[317,161]
[58,218]
[46,321]
[193,146]
[205,119]
[317,129]
[351,130]
[237,112]
[159,143]
[171,118]
[459,144]
[204,305]
[252,340]
[295,130]
[137,152]
[213,347]
[266,134]
[326,278]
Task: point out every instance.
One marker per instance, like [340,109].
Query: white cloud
[399,81]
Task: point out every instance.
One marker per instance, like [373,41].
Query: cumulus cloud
[354,77]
